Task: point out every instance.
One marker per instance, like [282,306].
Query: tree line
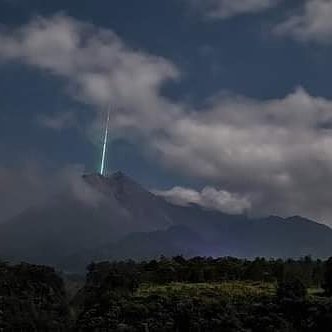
[312,273]
[171,294]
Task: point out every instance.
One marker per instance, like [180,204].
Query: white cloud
[99,67]
[58,121]
[276,153]
[209,198]
[313,24]
[228,8]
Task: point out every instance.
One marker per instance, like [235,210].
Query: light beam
[103,158]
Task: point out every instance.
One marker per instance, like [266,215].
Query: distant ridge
[127,221]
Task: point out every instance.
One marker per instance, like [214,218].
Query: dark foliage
[32,298]
[328,276]
[124,310]
[291,290]
[198,269]
[170,295]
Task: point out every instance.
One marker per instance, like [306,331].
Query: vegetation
[205,294]
[292,290]
[32,298]
[327,285]
[228,291]
[198,294]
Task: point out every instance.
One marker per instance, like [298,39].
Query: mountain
[110,208]
[118,219]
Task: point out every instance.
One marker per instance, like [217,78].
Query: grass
[234,291]
[315,291]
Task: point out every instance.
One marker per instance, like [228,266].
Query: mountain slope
[126,221]
[67,224]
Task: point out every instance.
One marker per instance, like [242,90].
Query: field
[231,291]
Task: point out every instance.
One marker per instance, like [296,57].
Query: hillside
[126,221]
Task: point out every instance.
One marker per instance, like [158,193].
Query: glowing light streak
[103,158]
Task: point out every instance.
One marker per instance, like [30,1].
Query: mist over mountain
[126,221]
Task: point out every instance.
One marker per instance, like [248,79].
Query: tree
[328,277]
[293,289]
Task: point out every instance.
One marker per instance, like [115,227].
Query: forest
[170,294]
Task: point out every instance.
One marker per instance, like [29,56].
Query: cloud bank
[223,9]
[312,24]
[276,153]
[209,198]
[100,69]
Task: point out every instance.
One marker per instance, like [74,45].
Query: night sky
[226,103]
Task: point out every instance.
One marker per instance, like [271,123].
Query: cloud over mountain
[209,197]
[30,184]
[277,152]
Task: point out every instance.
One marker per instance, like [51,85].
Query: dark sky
[233,96]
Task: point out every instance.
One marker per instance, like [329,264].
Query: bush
[328,277]
[292,289]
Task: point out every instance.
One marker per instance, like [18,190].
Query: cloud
[99,68]
[276,153]
[209,198]
[57,121]
[312,24]
[30,184]
[223,9]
